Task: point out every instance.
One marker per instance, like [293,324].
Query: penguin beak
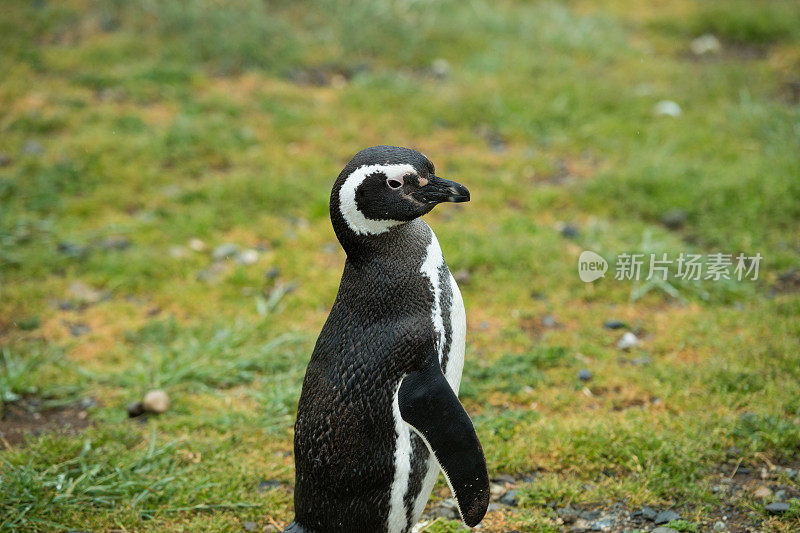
[441,190]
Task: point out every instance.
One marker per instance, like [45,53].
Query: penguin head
[386,186]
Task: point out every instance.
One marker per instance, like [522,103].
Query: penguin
[379,414]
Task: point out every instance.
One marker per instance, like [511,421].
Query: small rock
[272,273]
[584,375]
[197,245]
[5,159]
[247,257]
[647,513]
[791,473]
[504,478]
[135,409]
[224,251]
[78,329]
[510,498]
[32,148]
[568,514]
[705,44]
[570,232]
[177,252]
[85,294]
[249,526]
[590,515]
[603,524]
[462,276]
[664,529]
[777,508]
[156,401]
[666,516]
[496,490]
[762,493]
[266,485]
[641,361]
[73,250]
[667,108]
[613,324]
[549,321]
[628,341]
[720,527]
[115,242]
[780,495]
[446,509]
[494,507]
[440,68]
[674,219]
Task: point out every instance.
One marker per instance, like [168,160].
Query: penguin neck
[405,238]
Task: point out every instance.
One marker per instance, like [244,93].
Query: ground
[164,177]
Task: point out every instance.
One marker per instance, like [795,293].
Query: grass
[152,125]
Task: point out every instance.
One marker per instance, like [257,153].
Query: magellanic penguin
[379,413]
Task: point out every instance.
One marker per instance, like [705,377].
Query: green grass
[155,123]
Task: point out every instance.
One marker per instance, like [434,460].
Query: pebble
[665,516]
[73,250]
[32,148]
[5,159]
[777,508]
[647,513]
[602,525]
[664,529]
[628,341]
[780,495]
[177,252]
[584,375]
[135,409]
[224,251]
[549,321]
[249,526]
[115,242]
[267,484]
[78,329]
[674,219]
[462,276]
[440,68]
[247,257]
[510,498]
[667,108]
[494,507]
[197,245]
[570,232]
[568,514]
[705,44]
[720,527]
[762,493]
[156,401]
[613,324]
[641,361]
[272,272]
[496,490]
[85,294]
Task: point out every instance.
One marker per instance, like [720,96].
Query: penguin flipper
[429,405]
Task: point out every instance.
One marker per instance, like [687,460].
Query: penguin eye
[394,183]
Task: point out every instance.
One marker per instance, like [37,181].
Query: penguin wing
[429,405]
